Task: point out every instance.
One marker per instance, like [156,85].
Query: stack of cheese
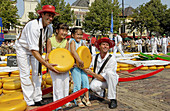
[124,66]
[4,74]
[12,102]
[14,73]
[11,84]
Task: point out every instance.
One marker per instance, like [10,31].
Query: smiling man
[29,49]
[104,71]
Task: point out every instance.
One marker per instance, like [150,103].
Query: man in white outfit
[105,77]
[164,44]
[154,43]
[139,42]
[29,51]
[118,44]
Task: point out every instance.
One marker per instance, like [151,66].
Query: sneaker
[113,104]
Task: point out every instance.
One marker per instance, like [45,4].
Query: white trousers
[139,48]
[31,88]
[164,49]
[60,85]
[111,83]
[118,48]
[154,49]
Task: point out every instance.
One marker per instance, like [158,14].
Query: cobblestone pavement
[150,94]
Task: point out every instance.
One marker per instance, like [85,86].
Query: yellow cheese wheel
[47,86]
[160,67]
[45,76]
[10,54]
[4,73]
[12,85]
[49,81]
[144,68]
[13,105]
[118,69]
[4,76]
[0,84]
[152,67]
[85,56]
[167,67]
[124,69]
[10,79]
[63,58]
[5,91]
[15,72]
[11,96]
[0,91]
[123,65]
[3,65]
[14,75]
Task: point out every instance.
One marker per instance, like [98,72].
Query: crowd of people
[29,46]
[7,48]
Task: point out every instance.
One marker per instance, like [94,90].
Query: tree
[150,16]
[99,16]
[66,15]
[8,13]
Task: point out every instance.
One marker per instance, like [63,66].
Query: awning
[85,36]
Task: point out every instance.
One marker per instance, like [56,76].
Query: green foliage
[66,15]
[99,16]
[151,16]
[8,13]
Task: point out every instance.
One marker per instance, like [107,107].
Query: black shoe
[113,104]
[39,103]
[100,99]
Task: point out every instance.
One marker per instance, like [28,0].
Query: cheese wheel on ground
[123,65]
[13,105]
[4,73]
[10,54]
[49,81]
[0,91]
[144,68]
[4,76]
[85,56]
[12,85]
[5,91]
[118,69]
[14,75]
[11,96]
[3,65]
[63,58]
[123,69]
[10,79]
[45,76]
[167,67]
[160,67]
[152,67]
[0,84]
[15,72]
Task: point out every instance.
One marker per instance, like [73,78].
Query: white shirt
[139,42]
[110,67]
[118,38]
[31,34]
[154,41]
[164,41]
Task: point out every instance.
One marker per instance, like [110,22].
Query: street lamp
[123,29]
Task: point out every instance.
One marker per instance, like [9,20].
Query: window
[78,21]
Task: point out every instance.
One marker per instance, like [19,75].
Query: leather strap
[103,65]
